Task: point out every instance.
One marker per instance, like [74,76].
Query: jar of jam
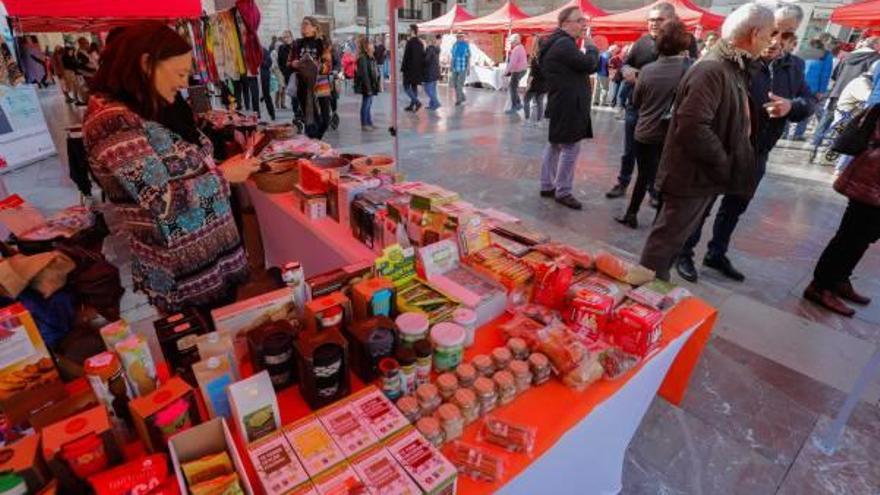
[506,386]
[448,339]
[447,384]
[412,327]
[467,318]
[540,367]
[423,361]
[484,365]
[451,421]
[430,429]
[406,357]
[501,357]
[466,374]
[486,396]
[518,348]
[466,400]
[389,375]
[522,375]
[429,398]
[409,407]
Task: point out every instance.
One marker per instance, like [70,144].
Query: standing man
[413,68]
[601,88]
[432,71]
[642,53]
[517,63]
[710,145]
[566,70]
[779,88]
[461,63]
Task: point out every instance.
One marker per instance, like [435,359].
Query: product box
[433,473]
[28,378]
[170,409]
[588,313]
[75,403]
[382,475]
[80,446]
[277,467]
[338,279]
[312,203]
[344,190]
[636,329]
[24,458]
[138,476]
[254,407]
[343,423]
[313,445]
[237,319]
[211,437]
[213,376]
[178,338]
[372,297]
[380,415]
[341,479]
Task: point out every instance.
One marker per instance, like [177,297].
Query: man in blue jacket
[819,63]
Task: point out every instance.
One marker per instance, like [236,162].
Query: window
[321,7]
[437,9]
[363,9]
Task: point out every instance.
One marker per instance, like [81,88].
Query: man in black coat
[413,69]
[566,70]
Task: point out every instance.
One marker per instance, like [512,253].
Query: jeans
[677,217]
[801,127]
[624,93]
[412,90]
[539,102]
[648,158]
[366,107]
[600,91]
[431,91]
[825,123]
[267,95]
[515,103]
[249,94]
[628,159]
[859,228]
[458,79]
[557,169]
[613,90]
[732,207]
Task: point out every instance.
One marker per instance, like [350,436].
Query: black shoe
[570,201]
[629,220]
[548,194]
[409,108]
[417,107]
[686,269]
[334,121]
[617,191]
[723,265]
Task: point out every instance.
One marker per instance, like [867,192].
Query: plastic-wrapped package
[537,312]
[636,329]
[509,436]
[600,284]
[581,258]
[524,328]
[623,270]
[552,280]
[563,349]
[615,362]
[589,371]
[658,294]
[474,462]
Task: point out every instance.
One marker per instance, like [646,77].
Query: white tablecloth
[492,77]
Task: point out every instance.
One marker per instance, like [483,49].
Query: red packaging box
[636,329]
[138,476]
[589,313]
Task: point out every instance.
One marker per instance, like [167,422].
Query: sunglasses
[656,20]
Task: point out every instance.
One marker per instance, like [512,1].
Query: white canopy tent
[355,29]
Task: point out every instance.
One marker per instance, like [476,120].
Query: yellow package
[207,468]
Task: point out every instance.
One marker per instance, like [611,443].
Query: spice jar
[540,366]
[451,421]
[430,429]
[467,318]
[429,398]
[522,375]
[506,386]
[466,400]
[483,364]
[501,357]
[389,374]
[466,375]
[518,348]
[448,340]
[423,361]
[409,407]
[486,396]
[412,327]
[406,357]
[447,383]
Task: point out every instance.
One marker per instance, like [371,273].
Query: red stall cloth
[858,15]
[630,25]
[448,21]
[500,20]
[550,20]
[33,16]
[253,53]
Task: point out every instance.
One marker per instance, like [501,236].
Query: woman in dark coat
[413,69]
[366,81]
[432,71]
[536,88]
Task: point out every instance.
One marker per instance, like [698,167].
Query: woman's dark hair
[673,38]
[121,76]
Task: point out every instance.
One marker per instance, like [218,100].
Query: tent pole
[392,28]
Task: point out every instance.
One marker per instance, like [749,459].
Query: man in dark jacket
[566,70]
[710,144]
[779,87]
[432,71]
[413,68]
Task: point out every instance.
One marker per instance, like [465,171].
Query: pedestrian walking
[413,68]
[601,89]
[537,88]
[432,71]
[461,63]
[517,63]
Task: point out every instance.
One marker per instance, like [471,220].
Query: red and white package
[636,329]
[589,313]
[137,477]
[552,280]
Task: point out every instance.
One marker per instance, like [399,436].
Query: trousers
[366,106]
[457,80]
[648,159]
[539,103]
[515,102]
[677,218]
[412,90]
[859,228]
[628,159]
[557,169]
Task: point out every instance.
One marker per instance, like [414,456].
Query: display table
[487,76]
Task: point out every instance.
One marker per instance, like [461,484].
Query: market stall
[862,15]
[36,16]
[500,20]
[549,21]
[630,25]
[448,21]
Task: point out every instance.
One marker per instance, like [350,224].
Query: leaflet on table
[342,422]
[382,475]
[313,445]
[427,466]
[277,467]
[383,417]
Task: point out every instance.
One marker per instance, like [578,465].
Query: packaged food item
[589,313]
[104,374]
[447,384]
[24,459]
[406,357]
[507,435]
[371,341]
[419,296]
[603,285]
[522,375]
[373,297]
[313,445]
[636,329]
[505,268]
[616,363]
[409,407]
[178,340]
[424,463]
[206,468]
[382,475]
[483,365]
[552,280]
[214,375]
[134,352]
[216,344]
[505,385]
[525,328]
[239,318]
[540,367]
[340,479]
[467,319]
[424,361]
[390,378]
[563,349]
[378,412]
[115,332]
[429,398]
[501,357]
[487,396]
[323,352]
[466,400]
[227,484]
[80,446]
[658,294]
[451,420]
[466,374]
[254,407]
[276,465]
[342,422]
[622,270]
[429,427]
[208,455]
[137,476]
[518,348]
[474,462]
[586,373]
[271,348]
[169,410]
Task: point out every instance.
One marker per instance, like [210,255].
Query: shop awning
[858,15]
[93,15]
[629,25]
[550,20]
[448,21]
[500,20]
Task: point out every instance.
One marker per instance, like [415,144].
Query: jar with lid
[466,374]
[486,395]
[430,429]
[389,376]
[522,375]
[483,365]
[540,366]
[467,318]
[424,358]
[447,384]
[429,398]
[506,386]
[412,327]
[448,340]
[406,357]
[409,407]
[501,357]
[518,348]
[466,400]
[451,421]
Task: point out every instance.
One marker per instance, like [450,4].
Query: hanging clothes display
[249,23]
[227,42]
[208,43]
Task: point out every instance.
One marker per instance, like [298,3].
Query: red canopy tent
[549,21]
[860,15]
[629,25]
[93,15]
[500,20]
[448,21]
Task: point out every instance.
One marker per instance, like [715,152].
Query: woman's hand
[238,168]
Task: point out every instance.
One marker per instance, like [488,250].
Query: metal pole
[392,28]
[826,440]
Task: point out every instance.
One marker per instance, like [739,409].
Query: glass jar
[448,340]
[467,318]
[412,327]
[430,429]
[406,357]
[447,383]
[483,364]
[466,374]
[424,358]
[466,400]
[506,386]
[409,407]
[522,375]
[389,375]
[451,421]
[518,348]
[540,367]
[429,398]
[501,357]
[486,396]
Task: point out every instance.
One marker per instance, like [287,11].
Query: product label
[350,435]
[216,392]
[259,423]
[314,447]
[15,344]
[187,343]
[383,475]
[380,415]
[422,461]
[276,465]
[447,358]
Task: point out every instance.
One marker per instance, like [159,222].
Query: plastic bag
[623,270]
[479,464]
[509,436]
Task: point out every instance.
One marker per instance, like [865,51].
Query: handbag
[290,90]
[322,86]
[853,139]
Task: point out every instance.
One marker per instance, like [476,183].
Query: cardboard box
[170,409]
[341,479]
[382,475]
[80,446]
[351,435]
[137,476]
[338,279]
[28,378]
[363,292]
[380,415]
[433,473]
[237,319]
[254,407]
[25,459]
[344,191]
[73,404]
[276,465]
[313,445]
[211,437]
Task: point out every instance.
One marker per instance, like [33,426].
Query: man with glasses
[566,70]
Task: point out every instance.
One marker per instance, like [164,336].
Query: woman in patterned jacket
[159,173]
